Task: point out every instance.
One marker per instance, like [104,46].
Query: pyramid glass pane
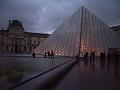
[82,32]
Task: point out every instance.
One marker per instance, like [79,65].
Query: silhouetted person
[49,54]
[77,57]
[102,59]
[86,55]
[104,55]
[101,55]
[52,54]
[116,59]
[113,57]
[45,55]
[90,58]
[93,57]
[33,54]
[108,59]
[86,58]
[119,58]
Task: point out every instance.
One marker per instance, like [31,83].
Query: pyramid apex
[82,6]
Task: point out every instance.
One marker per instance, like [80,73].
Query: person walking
[48,54]
[93,57]
[33,54]
[52,54]
[45,55]
[90,58]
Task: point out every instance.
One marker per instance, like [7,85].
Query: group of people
[113,57]
[102,58]
[92,56]
[50,54]
[109,59]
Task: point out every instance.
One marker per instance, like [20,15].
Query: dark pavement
[84,76]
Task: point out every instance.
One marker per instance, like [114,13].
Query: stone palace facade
[16,40]
[117,30]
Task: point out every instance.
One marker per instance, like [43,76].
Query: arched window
[7,48]
[24,49]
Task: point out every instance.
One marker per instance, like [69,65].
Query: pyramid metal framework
[82,32]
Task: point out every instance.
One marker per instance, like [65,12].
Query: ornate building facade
[16,40]
[117,30]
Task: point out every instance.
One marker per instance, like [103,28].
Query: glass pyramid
[82,32]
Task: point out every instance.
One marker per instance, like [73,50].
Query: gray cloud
[45,15]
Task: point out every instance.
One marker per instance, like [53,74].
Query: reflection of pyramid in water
[82,32]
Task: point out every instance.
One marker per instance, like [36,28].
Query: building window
[20,50]
[30,48]
[34,42]
[38,42]
[25,49]
[11,35]
[16,42]
[12,49]
[6,48]
[20,41]
[30,41]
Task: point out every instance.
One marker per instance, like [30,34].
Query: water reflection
[112,63]
[15,70]
[116,67]
[14,75]
[92,62]
[104,63]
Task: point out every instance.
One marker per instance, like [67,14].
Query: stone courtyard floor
[71,76]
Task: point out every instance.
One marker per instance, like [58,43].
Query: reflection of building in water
[14,75]
[16,40]
[82,32]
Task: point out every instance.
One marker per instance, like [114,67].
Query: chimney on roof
[9,22]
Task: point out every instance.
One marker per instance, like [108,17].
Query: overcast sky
[43,16]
